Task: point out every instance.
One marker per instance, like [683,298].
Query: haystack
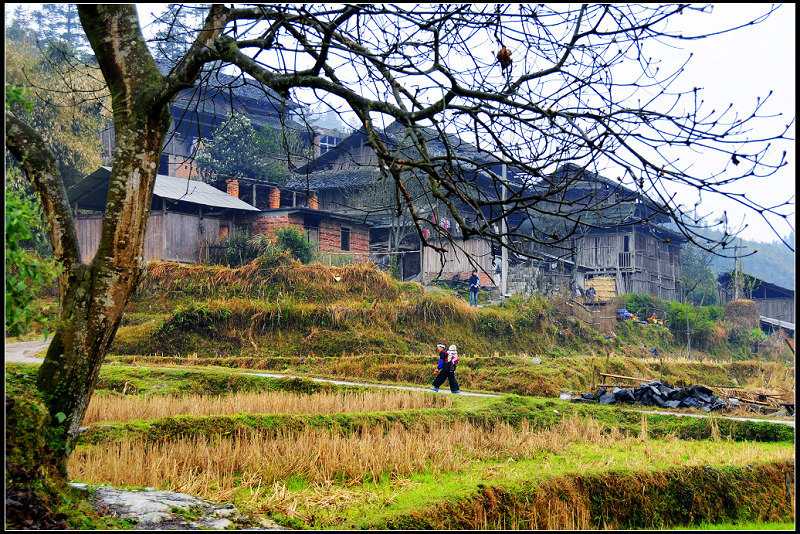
[605,287]
[742,314]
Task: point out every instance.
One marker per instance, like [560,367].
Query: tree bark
[94,296]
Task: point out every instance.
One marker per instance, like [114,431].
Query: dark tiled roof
[587,189]
[335,179]
[239,89]
[440,145]
[569,171]
[772,291]
[394,137]
[317,174]
[216,111]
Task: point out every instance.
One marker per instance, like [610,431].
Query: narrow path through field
[27,351]
[346,383]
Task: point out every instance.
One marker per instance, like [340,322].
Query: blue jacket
[443,355]
[473,282]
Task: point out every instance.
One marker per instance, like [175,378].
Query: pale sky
[741,66]
[734,68]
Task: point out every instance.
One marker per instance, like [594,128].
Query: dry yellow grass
[121,409]
[218,468]
[333,283]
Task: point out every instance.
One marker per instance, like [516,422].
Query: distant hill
[773,262]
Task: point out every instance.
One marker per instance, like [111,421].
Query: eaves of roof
[656,230]
[92,192]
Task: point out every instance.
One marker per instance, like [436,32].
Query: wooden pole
[625,377]
[504,249]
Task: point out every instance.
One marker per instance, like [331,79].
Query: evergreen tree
[60,22]
[238,148]
[19,30]
[699,280]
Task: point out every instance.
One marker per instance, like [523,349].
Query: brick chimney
[313,201]
[274,198]
[233,187]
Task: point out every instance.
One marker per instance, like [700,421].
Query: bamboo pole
[626,377]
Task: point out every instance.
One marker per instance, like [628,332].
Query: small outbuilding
[774,303]
[186,216]
[189,217]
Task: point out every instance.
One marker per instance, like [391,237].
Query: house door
[410,265]
[313,235]
[311,227]
[625,255]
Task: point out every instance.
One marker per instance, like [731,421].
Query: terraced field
[184,403]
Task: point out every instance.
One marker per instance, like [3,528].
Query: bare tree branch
[38,163]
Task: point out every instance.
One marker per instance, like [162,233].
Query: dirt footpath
[27,351]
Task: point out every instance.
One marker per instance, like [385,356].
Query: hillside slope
[357,322]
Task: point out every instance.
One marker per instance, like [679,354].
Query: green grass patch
[517,493]
[740,525]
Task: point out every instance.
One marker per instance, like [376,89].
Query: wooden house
[631,259]
[188,217]
[620,241]
[623,244]
[346,179]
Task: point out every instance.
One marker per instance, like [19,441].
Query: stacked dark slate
[661,395]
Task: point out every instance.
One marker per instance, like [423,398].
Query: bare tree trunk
[94,296]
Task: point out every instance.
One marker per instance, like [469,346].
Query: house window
[327,142]
[346,239]
[311,227]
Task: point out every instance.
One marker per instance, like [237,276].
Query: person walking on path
[474,286]
[446,370]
